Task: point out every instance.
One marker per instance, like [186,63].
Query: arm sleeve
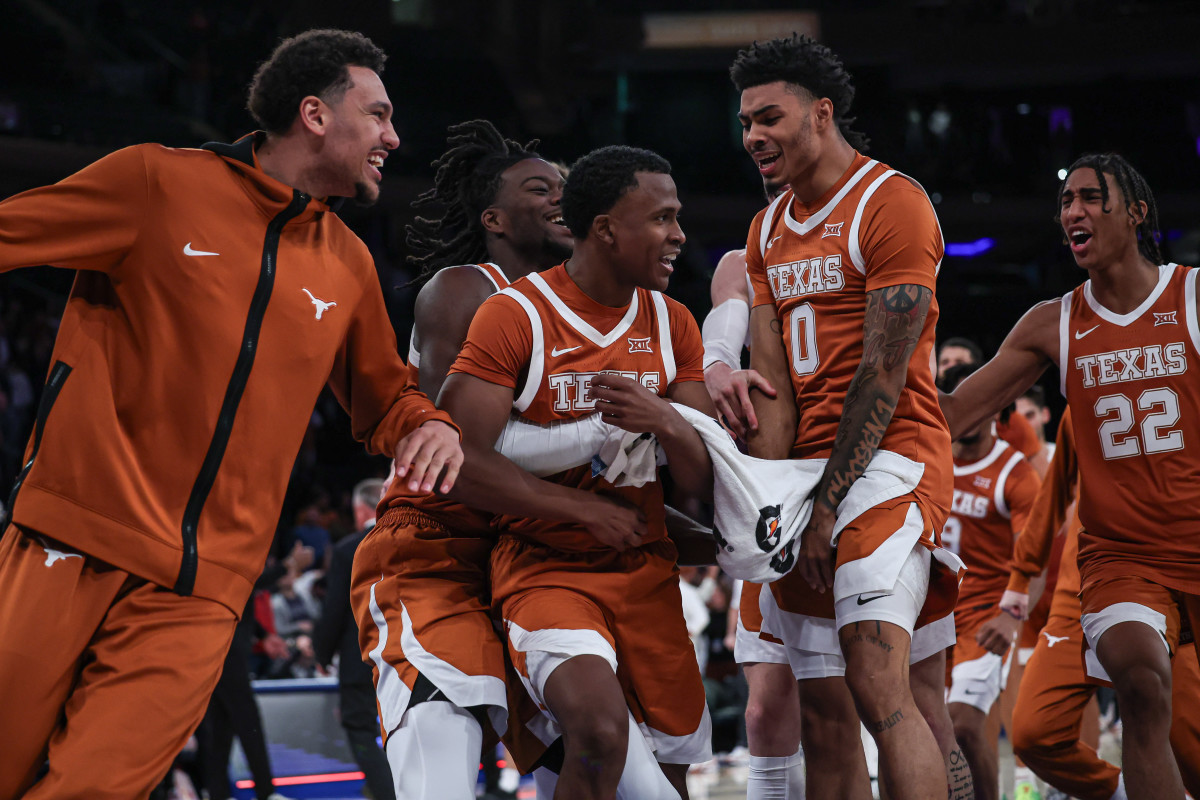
[686,341]
[724,332]
[900,239]
[499,343]
[1031,552]
[371,381]
[88,221]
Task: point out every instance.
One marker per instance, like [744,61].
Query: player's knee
[1143,693]
[761,723]
[601,740]
[876,692]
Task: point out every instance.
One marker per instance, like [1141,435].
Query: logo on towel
[783,561]
[768,530]
[639,345]
[1167,318]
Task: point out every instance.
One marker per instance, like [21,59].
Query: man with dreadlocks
[1123,342]
[843,266]
[420,576]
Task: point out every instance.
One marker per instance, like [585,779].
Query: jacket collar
[243,153]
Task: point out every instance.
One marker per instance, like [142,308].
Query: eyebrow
[756,112]
[539,178]
[382,105]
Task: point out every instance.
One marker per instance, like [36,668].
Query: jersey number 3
[803,322]
[1116,411]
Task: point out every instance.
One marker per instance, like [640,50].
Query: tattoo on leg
[890,721]
[962,785]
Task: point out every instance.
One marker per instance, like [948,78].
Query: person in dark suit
[337,632]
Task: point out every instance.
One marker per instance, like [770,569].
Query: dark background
[982,101]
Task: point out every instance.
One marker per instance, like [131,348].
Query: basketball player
[592,608]
[420,576]
[994,487]
[1123,342]
[843,267]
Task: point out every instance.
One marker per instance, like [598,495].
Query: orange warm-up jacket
[211,305]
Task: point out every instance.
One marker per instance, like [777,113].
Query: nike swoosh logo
[772,242]
[555,353]
[1081,334]
[188,251]
[968,691]
[863,602]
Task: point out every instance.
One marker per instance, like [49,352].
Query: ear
[822,111]
[1138,211]
[492,220]
[313,114]
[602,228]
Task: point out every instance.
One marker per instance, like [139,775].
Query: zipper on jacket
[54,384]
[186,580]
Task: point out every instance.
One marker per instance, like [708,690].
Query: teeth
[1079,237]
[375,161]
[557,220]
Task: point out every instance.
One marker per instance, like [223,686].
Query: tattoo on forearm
[890,721]
[895,317]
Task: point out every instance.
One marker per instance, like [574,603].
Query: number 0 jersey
[1137,428]
[816,262]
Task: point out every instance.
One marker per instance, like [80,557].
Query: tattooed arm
[894,320]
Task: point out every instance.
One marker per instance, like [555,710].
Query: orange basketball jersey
[816,262]
[546,340]
[1137,429]
[454,516]
[992,499]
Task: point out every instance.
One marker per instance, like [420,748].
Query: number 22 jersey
[1132,385]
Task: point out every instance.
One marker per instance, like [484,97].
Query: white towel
[761,507]
[623,458]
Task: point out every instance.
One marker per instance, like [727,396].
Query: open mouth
[668,262]
[556,219]
[766,162]
[1078,238]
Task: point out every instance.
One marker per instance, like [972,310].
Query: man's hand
[300,559]
[730,393]
[1015,604]
[815,560]
[627,404]
[275,647]
[998,633]
[423,454]
[613,521]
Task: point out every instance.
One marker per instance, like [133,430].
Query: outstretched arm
[1029,348]
[895,317]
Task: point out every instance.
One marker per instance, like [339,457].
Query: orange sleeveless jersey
[547,340]
[816,262]
[454,516]
[1137,420]
[1052,510]
[992,499]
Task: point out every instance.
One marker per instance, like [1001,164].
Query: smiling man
[217,294]
[844,266]
[584,575]
[1125,343]
[420,585]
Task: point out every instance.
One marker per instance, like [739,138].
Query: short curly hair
[312,63]
[600,178]
[801,61]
